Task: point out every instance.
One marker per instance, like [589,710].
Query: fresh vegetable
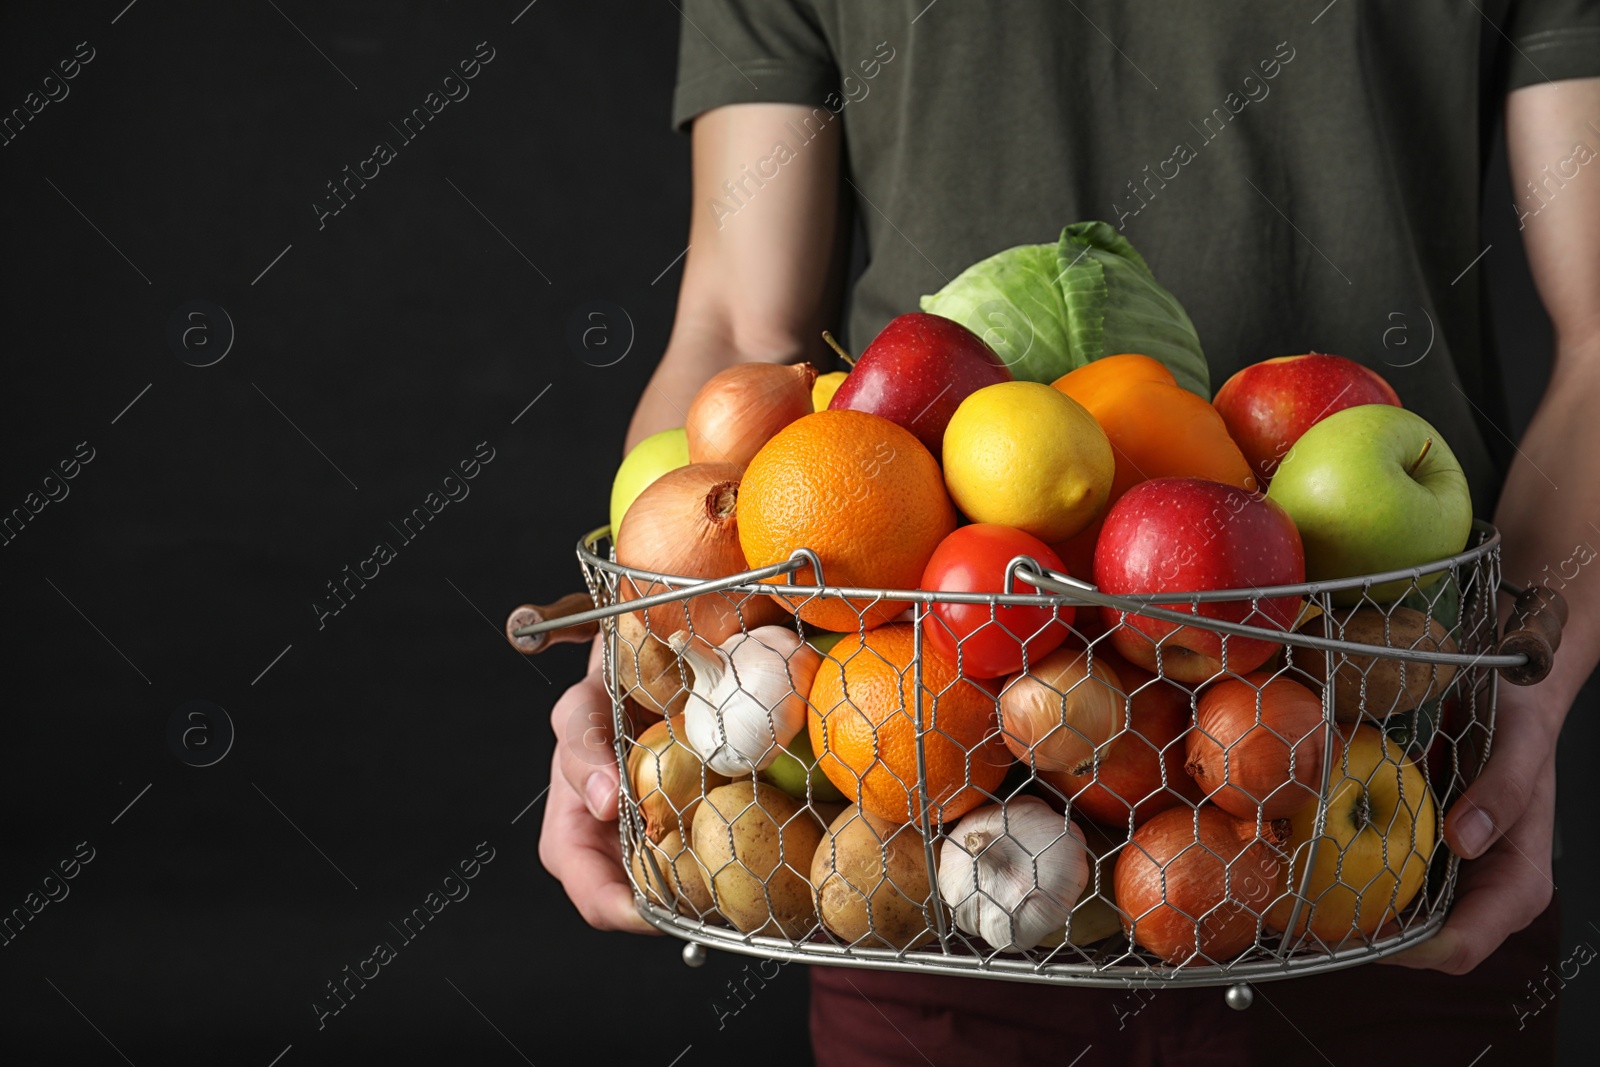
[990,642]
[685,889]
[871,879]
[1191,882]
[1013,873]
[687,528]
[1259,741]
[647,670]
[1055,717]
[742,406]
[754,840]
[749,696]
[667,778]
[1047,309]
[1141,773]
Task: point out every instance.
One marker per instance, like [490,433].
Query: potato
[871,878]
[647,669]
[754,840]
[1392,685]
[685,881]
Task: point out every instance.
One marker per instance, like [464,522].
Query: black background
[373,356]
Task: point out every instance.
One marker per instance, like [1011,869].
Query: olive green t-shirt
[1303,176]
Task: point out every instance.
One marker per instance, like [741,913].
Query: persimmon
[1157,429]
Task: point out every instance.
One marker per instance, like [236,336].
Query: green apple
[797,763]
[1374,488]
[649,460]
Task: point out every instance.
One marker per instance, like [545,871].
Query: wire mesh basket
[1205,788]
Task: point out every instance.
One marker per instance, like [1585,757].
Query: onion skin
[1055,716]
[1129,775]
[685,525]
[1242,763]
[1179,897]
[742,407]
[667,779]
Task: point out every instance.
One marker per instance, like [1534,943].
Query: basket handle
[530,614]
[1534,631]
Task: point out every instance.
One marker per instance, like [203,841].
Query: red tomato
[973,560]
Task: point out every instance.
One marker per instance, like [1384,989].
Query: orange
[858,490]
[864,731]
[1157,429]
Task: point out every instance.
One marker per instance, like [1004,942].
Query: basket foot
[694,954]
[1239,997]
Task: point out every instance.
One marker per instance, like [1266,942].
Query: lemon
[824,387]
[1026,455]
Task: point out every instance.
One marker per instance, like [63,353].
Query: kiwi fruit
[1391,686]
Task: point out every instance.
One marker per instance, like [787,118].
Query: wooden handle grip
[1534,630]
[529,614]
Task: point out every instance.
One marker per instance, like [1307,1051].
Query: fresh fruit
[917,371]
[1026,455]
[1257,746]
[1192,883]
[796,769]
[755,843]
[824,387]
[686,526]
[864,731]
[1064,710]
[1375,847]
[1374,488]
[667,779]
[990,641]
[1376,686]
[1157,430]
[1267,406]
[742,406]
[674,864]
[859,491]
[647,461]
[1128,779]
[1188,535]
[871,880]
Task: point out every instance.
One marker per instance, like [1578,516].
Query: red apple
[1129,775]
[1190,535]
[917,371]
[1268,405]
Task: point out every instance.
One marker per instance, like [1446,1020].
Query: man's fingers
[585,759]
[1499,894]
[1505,786]
[585,857]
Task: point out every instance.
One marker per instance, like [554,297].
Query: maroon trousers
[1367,1016]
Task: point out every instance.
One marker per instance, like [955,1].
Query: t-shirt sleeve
[750,51]
[1552,40]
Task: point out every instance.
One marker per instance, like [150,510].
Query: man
[1298,175]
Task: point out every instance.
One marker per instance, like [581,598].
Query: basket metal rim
[1121,976]
[1071,591]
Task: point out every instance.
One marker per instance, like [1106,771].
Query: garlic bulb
[1012,872]
[749,696]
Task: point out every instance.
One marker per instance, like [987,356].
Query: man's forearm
[1549,512]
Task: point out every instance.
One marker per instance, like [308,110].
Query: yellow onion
[742,407]
[647,670]
[684,525]
[1056,715]
[667,778]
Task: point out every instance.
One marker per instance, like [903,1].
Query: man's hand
[1503,825]
[578,843]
